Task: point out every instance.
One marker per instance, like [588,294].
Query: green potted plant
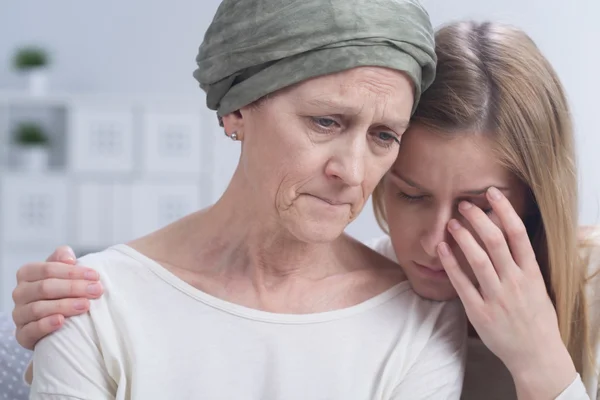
[34,62]
[32,145]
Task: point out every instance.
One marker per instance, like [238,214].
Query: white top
[153,336]
[486,377]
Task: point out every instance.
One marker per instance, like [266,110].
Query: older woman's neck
[244,242]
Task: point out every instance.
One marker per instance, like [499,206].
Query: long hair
[491,78]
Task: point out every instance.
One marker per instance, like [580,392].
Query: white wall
[149,46]
[110,45]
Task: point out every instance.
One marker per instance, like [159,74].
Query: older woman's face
[312,154]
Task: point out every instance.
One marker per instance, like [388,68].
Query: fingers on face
[476,257]
[514,228]
[492,237]
[466,290]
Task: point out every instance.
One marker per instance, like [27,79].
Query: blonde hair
[492,79]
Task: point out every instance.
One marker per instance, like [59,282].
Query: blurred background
[104,135]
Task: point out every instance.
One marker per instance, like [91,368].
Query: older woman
[261,296]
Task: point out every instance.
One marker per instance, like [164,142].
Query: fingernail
[67,255]
[444,249]
[494,193]
[67,259]
[90,275]
[465,205]
[56,320]
[80,305]
[454,224]
[93,288]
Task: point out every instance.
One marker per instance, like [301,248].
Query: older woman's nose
[348,162]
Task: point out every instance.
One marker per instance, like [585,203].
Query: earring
[234,136]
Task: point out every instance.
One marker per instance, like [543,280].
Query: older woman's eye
[386,139]
[324,122]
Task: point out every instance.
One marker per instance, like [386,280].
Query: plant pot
[33,158]
[38,81]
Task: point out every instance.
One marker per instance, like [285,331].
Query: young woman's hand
[48,292]
[510,308]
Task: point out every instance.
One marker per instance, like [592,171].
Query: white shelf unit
[120,167]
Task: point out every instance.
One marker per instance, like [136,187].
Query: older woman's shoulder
[120,265]
[107,258]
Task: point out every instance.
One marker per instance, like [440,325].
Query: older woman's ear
[233,124]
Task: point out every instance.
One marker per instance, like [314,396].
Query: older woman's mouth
[332,201]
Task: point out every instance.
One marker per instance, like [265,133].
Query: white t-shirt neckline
[254,314]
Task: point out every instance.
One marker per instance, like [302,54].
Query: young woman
[497,117]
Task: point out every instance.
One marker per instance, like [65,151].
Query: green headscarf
[256,47]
